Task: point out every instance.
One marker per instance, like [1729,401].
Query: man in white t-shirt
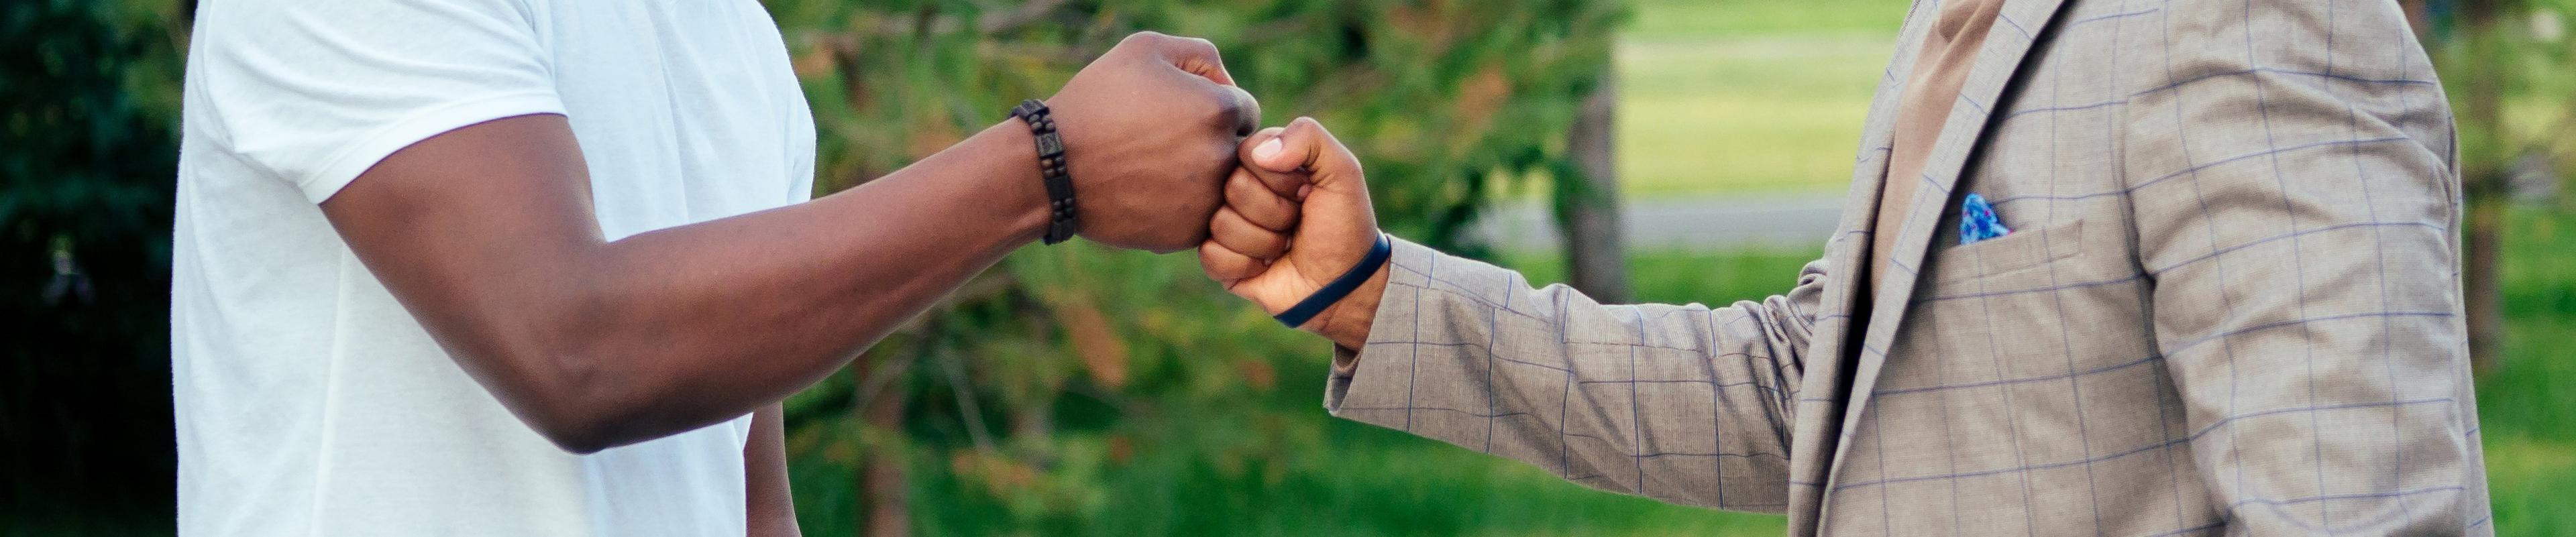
[540,267]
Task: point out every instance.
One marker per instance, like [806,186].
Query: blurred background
[1651,150]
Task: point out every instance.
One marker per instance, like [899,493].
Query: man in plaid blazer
[2228,303]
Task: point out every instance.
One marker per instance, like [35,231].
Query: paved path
[1706,222]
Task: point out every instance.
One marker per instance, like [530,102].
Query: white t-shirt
[308,402]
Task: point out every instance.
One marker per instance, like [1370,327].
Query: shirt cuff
[362,155]
[1392,322]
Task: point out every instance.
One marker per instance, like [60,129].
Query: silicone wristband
[1305,310]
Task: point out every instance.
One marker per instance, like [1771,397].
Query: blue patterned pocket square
[1977,221]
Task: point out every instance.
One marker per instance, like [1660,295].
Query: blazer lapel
[1998,58]
[1819,398]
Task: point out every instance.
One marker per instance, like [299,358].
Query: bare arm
[764,468]
[487,236]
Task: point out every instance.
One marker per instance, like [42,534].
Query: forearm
[768,502]
[1655,400]
[487,236]
[674,329]
[1347,322]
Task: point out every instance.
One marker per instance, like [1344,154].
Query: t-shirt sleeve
[315,93]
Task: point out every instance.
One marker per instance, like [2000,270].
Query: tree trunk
[1595,259]
[884,490]
[2483,170]
[2418,18]
[885,496]
[2480,281]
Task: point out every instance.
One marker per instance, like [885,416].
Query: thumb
[1338,225]
[1303,145]
[1285,175]
[1299,157]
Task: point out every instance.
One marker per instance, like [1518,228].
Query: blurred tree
[2480,60]
[1036,389]
[1595,257]
[1073,391]
[87,155]
[1018,407]
[2509,80]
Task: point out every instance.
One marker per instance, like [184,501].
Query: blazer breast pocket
[2019,251]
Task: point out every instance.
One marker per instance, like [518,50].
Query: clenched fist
[1150,129]
[1296,216]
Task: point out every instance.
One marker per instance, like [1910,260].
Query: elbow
[566,396]
[575,438]
[558,358]
[573,417]
[582,422]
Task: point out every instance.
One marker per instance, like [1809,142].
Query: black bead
[1051,167]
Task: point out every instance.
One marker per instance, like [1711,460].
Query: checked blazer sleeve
[1688,404]
[2297,215]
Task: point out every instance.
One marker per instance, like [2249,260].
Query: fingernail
[1302,190]
[1267,149]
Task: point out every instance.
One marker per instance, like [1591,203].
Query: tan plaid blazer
[2229,307]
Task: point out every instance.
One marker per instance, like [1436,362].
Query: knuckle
[1139,42]
[1243,240]
[1225,110]
[1201,45]
[1239,191]
[1252,194]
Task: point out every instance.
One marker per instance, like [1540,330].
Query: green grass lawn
[2528,404]
[1717,97]
[1748,95]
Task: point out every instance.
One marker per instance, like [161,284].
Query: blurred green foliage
[1077,391]
[1444,99]
[87,147]
[2526,405]
[2540,103]
[1082,391]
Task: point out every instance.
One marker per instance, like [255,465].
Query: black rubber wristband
[1314,304]
[1061,221]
